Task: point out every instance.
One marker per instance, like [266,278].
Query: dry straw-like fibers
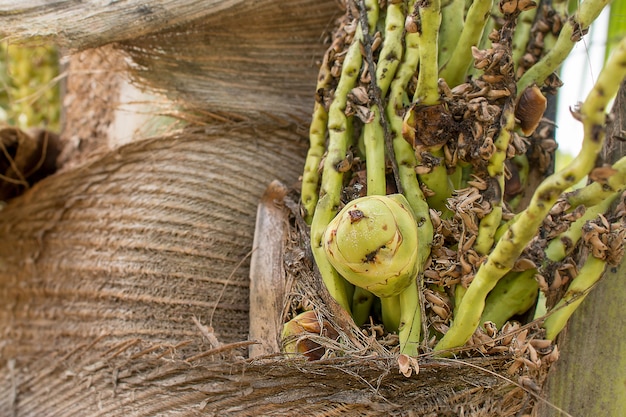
[121,254]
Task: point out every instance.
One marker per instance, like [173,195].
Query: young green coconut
[372,243]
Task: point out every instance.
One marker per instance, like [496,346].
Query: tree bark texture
[86,24]
[250,60]
[119,256]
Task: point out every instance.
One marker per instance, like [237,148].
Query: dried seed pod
[530,108]
[295,331]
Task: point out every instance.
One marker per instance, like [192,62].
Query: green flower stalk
[373,244]
[571,33]
[455,69]
[514,294]
[374,132]
[511,245]
[427,92]
[452,12]
[522,34]
[588,275]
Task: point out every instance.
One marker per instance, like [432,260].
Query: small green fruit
[372,243]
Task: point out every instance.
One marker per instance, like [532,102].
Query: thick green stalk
[392,49]
[587,277]
[521,36]
[617,26]
[489,224]
[570,34]
[337,286]
[362,301]
[594,193]
[373,133]
[427,92]
[452,12]
[340,133]
[438,181]
[410,314]
[406,161]
[454,70]
[391,311]
[559,247]
[374,140]
[514,294]
[511,245]
[317,146]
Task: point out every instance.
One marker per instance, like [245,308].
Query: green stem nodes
[372,243]
[514,294]
[513,242]
[339,137]
[310,176]
[559,247]
[588,275]
[427,92]
[596,192]
[455,69]
[490,223]
[572,31]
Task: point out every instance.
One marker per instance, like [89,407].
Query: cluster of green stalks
[440,101]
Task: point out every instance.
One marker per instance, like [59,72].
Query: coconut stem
[510,246]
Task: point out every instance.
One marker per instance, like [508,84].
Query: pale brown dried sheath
[267,275]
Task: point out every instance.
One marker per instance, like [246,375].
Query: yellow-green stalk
[427,92]
[340,136]
[510,246]
[588,275]
[455,69]
[452,12]
[513,294]
[570,34]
